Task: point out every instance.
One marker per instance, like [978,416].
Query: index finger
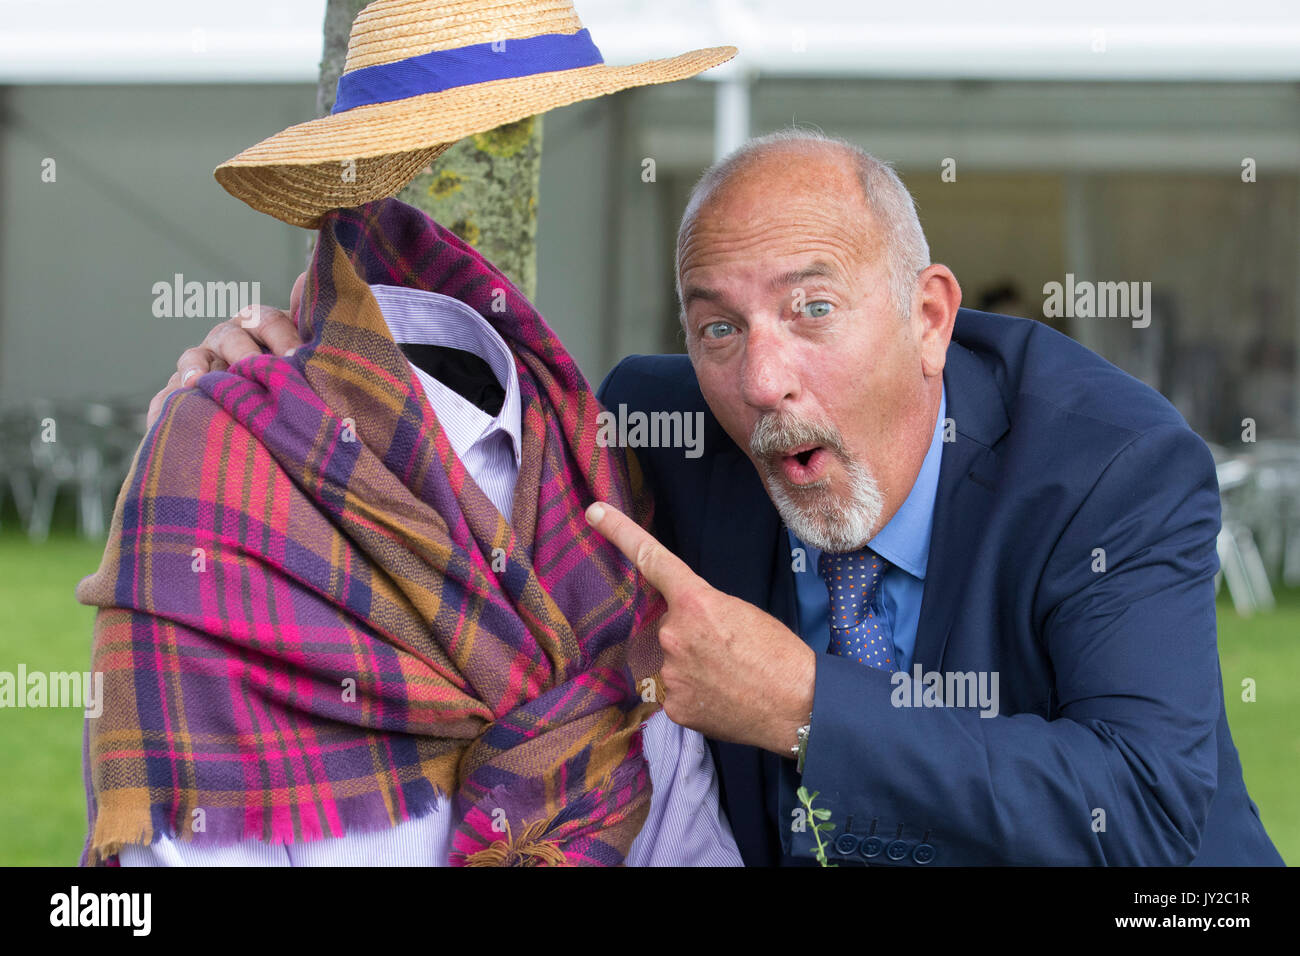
[668,573]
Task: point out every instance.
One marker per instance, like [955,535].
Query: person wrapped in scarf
[313,622]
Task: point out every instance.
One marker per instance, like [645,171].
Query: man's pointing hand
[731,671]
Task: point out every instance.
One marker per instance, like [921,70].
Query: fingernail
[291,351]
[595,513]
[186,377]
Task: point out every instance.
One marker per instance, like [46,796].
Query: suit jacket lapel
[963,499]
[742,529]
[739,550]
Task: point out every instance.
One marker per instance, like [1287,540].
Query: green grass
[1266,649]
[42,807]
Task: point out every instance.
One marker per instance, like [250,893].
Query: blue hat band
[465,66]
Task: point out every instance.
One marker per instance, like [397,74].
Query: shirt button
[896,850]
[846,843]
[923,853]
[871,846]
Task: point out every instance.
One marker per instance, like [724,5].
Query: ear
[936,305]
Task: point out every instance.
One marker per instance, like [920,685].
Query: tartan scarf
[312,621]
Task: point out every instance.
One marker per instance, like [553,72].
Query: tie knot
[853,581]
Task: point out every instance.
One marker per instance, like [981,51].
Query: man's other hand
[253,331]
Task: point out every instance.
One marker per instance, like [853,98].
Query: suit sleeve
[1124,770]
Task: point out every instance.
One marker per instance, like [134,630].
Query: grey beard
[812,513]
[824,522]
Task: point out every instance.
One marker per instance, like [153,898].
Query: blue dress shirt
[904,542]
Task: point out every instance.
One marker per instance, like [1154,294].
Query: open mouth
[805,464]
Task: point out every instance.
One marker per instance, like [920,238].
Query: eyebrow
[814,270]
[817,269]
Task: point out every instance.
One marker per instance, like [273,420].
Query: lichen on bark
[484,188]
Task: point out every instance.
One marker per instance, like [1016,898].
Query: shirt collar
[905,540]
[422,317]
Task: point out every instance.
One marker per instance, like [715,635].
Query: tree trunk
[484,188]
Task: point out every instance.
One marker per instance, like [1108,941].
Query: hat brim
[350,158]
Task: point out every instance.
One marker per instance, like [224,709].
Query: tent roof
[223,41]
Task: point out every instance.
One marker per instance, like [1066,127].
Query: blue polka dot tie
[859,630]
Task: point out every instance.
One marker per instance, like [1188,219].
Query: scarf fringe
[117,827]
[113,831]
[528,850]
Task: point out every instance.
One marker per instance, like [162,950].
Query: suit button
[871,846]
[896,850]
[846,843]
[923,853]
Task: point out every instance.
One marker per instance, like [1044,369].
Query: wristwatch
[801,747]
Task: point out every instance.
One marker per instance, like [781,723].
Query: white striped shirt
[490,448]
[686,825]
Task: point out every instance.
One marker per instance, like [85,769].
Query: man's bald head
[797,156]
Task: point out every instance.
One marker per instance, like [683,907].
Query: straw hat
[421,74]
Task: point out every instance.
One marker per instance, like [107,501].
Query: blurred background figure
[1005,298]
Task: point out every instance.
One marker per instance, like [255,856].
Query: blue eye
[708,329]
[818,309]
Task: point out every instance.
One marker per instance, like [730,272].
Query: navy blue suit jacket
[1111,745]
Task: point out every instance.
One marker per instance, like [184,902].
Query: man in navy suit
[951,570]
